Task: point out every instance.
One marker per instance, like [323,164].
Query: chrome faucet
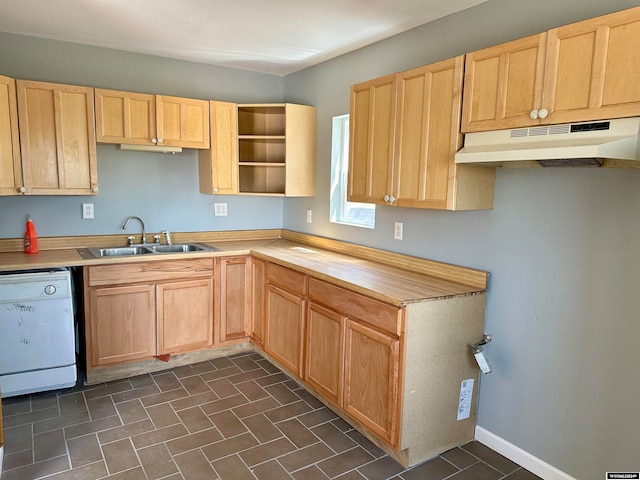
[126,222]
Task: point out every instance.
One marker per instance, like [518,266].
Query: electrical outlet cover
[87,211]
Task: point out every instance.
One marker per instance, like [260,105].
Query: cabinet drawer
[149,271]
[380,315]
[287,279]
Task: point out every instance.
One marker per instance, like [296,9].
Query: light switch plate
[309,215]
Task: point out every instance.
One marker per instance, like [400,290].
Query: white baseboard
[522,458]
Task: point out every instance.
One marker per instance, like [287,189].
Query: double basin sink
[149,249]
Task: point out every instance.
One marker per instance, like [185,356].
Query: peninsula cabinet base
[108,374]
[436,361]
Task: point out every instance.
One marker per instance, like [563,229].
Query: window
[342,211]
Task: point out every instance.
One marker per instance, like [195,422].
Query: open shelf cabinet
[274,151]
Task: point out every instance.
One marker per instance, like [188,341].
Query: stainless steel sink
[119,251]
[150,249]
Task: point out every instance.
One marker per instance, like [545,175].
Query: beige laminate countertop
[391,284]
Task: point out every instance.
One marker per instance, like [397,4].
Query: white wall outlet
[309,215]
[220,209]
[87,211]
[397,231]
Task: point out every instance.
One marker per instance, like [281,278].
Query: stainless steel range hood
[603,143]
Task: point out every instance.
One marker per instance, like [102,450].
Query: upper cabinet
[124,117]
[57,138]
[405,131]
[371,139]
[218,166]
[141,119]
[182,122]
[10,164]
[578,72]
[260,149]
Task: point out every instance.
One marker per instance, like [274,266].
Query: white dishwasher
[37,344]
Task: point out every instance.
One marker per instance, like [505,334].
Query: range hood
[602,143]
[150,148]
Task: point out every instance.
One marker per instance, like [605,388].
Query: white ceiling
[269,36]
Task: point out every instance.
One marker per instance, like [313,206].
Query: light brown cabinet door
[185,316]
[218,166]
[285,328]
[371,379]
[235,298]
[503,85]
[371,139]
[125,117]
[258,299]
[593,69]
[428,134]
[300,150]
[10,164]
[57,138]
[324,366]
[122,324]
[182,122]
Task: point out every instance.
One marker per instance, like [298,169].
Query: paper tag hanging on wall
[482,362]
[466,395]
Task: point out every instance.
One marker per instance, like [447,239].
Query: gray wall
[561,246]
[162,189]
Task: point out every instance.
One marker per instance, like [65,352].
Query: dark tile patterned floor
[235,418]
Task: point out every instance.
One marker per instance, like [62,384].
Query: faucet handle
[167,235]
[156,239]
[130,238]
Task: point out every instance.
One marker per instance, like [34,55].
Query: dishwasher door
[37,345]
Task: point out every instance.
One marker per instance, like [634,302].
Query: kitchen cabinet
[578,72]
[10,163]
[258,283]
[269,151]
[355,341]
[371,139]
[122,324]
[406,130]
[394,371]
[57,138]
[235,298]
[372,367]
[218,166]
[324,365]
[184,316]
[284,316]
[141,119]
[126,304]
[125,117]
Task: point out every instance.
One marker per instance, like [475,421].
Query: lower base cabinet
[136,311]
[122,326]
[235,299]
[371,379]
[394,372]
[257,296]
[325,352]
[285,316]
[285,304]
[184,316]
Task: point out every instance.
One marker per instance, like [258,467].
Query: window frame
[341,210]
